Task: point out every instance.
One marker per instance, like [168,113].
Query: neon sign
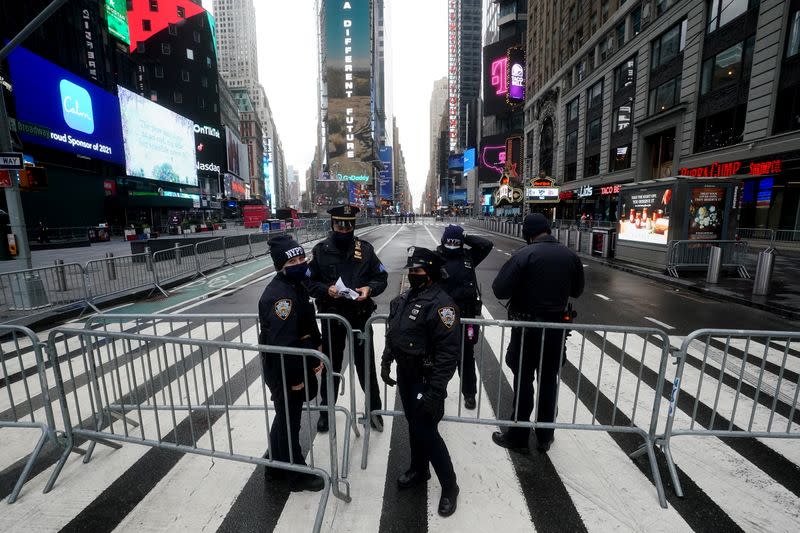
[452,73]
[500,76]
[611,189]
[723,170]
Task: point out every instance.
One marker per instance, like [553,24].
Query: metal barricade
[42,290]
[174,264]
[259,243]
[241,328]
[210,254]
[117,275]
[743,384]
[602,407]
[191,396]
[755,234]
[696,254]
[26,399]
[237,248]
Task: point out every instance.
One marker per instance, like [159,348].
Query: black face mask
[343,240]
[296,273]
[417,281]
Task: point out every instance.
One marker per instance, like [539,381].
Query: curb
[775,309]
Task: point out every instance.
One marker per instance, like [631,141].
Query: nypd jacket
[287,318]
[424,329]
[358,266]
[461,282]
[540,278]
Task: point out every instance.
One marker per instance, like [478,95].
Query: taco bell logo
[76,104]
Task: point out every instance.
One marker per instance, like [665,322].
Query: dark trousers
[427,445]
[524,376]
[334,336]
[282,429]
[466,366]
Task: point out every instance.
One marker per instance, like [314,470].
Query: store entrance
[661,148]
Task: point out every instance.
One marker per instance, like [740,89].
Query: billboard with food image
[645,215]
[706,213]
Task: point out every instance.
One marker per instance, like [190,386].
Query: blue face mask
[297,272]
[343,240]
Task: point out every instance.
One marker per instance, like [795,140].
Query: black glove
[432,406]
[386,373]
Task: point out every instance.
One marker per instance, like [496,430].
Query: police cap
[344,215]
[424,258]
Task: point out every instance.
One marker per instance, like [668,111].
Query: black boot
[469,402]
[448,502]
[502,440]
[413,478]
[301,482]
[322,423]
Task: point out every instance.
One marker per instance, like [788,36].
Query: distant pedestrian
[538,281]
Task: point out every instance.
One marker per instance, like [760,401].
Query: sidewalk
[783,300]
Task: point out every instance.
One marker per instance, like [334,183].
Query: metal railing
[194,396]
[44,289]
[117,275]
[210,254]
[777,238]
[22,384]
[696,255]
[590,399]
[743,384]
[237,248]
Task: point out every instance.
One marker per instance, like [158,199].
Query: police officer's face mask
[297,272]
[417,281]
[343,240]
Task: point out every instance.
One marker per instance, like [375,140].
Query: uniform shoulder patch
[283,308]
[447,316]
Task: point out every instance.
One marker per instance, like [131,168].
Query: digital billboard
[496,76]
[516,76]
[469,160]
[166,12]
[117,20]
[386,175]
[645,215]
[499,154]
[453,52]
[56,109]
[159,144]
[234,187]
[348,72]
[232,144]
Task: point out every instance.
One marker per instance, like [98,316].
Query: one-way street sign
[10,161]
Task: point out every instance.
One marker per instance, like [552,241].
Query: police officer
[343,255]
[462,284]
[423,337]
[538,280]
[287,318]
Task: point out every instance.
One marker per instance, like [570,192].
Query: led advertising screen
[56,109]
[117,18]
[496,76]
[469,160]
[645,215]
[499,154]
[232,143]
[348,72]
[706,213]
[166,12]
[386,175]
[516,76]
[159,144]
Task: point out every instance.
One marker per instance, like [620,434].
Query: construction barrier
[696,254]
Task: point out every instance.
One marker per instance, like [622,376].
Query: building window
[178,97]
[181,12]
[591,166]
[189,54]
[621,35]
[204,81]
[787,110]
[625,74]
[665,96]
[572,143]
[721,129]
[622,118]
[793,46]
[620,158]
[661,6]
[196,36]
[185,75]
[166,49]
[129,5]
[572,110]
[721,12]
[636,20]
[593,132]
[581,70]
[159,71]
[668,46]
[146,26]
[153,5]
[594,95]
[154,96]
[570,172]
[139,47]
[208,61]
[726,67]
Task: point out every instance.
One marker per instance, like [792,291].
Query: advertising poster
[497,76]
[645,215]
[348,71]
[386,175]
[159,144]
[56,109]
[516,76]
[117,17]
[706,212]
[232,143]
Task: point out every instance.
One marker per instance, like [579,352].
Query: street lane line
[432,237]
[379,250]
[659,323]
[604,297]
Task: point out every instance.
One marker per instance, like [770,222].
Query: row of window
[154,8]
[147,25]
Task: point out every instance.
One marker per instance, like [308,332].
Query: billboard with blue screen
[386,175]
[59,110]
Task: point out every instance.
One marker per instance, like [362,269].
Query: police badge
[283,308]
[448,316]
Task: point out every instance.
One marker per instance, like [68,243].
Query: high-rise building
[464,28]
[438,106]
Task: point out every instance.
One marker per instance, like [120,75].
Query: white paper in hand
[345,292]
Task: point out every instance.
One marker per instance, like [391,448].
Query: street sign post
[10,161]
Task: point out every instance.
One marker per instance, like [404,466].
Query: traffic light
[33,178]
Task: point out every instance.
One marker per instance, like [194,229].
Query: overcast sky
[287,62]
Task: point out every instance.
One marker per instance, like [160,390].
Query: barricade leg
[29,464]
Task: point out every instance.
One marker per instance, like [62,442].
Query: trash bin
[601,242]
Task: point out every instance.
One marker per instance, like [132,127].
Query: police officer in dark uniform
[343,255]
[287,318]
[424,336]
[462,284]
[538,281]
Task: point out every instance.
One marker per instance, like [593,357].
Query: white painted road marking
[379,250]
[604,297]
[659,323]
